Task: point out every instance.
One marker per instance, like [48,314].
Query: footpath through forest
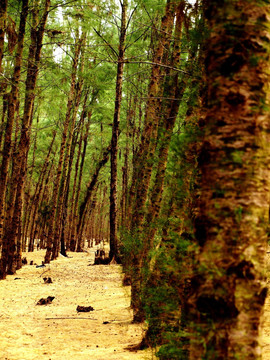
[57,331]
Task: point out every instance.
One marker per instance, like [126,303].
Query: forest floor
[57,331]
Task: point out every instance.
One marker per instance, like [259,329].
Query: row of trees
[175,95]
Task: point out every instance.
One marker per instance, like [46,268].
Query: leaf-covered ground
[57,331]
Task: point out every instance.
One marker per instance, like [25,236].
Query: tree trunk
[77,190]
[53,215]
[36,199]
[173,93]
[90,189]
[115,134]
[20,163]
[145,155]
[231,228]
[12,102]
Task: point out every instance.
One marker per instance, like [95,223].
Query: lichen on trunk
[231,229]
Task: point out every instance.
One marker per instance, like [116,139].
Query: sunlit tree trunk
[231,229]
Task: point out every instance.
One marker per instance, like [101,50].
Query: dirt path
[57,331]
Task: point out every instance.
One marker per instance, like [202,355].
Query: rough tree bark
[12,99]
[20,162]
[231,229]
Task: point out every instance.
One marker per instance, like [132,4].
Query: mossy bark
[145,154]
[231,228]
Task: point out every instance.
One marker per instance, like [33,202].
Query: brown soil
[57,331]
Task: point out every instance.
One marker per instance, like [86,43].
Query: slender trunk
[52,224]
[85,203]
[36,199]
[24,144]
[173,92]
[77,189]
[69,154]
[12,102]
[145,154]
[115,134]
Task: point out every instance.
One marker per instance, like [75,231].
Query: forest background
[143,124]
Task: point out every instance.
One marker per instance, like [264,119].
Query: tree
[231,228]
[115,133]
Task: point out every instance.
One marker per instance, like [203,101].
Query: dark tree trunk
[52,224]
[115,134]
[86,201]
[12,102]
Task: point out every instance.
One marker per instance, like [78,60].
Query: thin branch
[158,64]
[137,38]
[114,51]
[133,11]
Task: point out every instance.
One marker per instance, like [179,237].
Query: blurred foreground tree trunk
[231,228]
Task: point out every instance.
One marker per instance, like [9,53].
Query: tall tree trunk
[12,102]
[115,133]
[145,154]
[69,153]
[87,198]
[173,93]
[77,189]
[231,229]
[36,199]
[53,215]
[20,163]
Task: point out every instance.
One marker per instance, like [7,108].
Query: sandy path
[57,331]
